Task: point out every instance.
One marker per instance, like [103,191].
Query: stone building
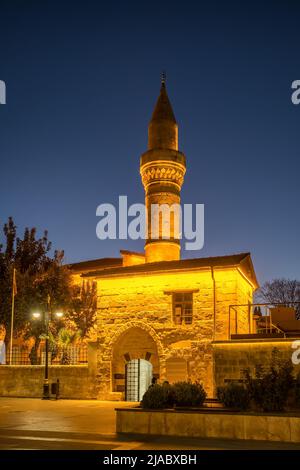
[159,315]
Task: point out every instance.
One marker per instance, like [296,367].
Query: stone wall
[144,303]
[141,303]
[231,358]
[209,424]
[229,361]
[231,289]
[27,381]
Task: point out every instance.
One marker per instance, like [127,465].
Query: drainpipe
[214,333]
[214,300]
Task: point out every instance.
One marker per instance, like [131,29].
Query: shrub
[179,394]
[271,387]
[188,394]
[234,396]
[158,397]
[270,392]
[297,390]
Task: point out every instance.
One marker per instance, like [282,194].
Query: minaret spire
[163,129]
[162,170]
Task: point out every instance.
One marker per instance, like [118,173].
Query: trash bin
[55,388]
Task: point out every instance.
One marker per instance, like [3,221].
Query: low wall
[232,357]
[27,381]
[209,425]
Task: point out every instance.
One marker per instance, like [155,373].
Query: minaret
[162,170]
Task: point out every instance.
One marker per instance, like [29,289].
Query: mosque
[159,315]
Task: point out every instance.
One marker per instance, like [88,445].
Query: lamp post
[46,318]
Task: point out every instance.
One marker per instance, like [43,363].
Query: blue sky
[82,79]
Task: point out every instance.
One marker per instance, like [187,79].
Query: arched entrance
[134,353]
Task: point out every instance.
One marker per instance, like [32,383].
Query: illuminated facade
[155,306]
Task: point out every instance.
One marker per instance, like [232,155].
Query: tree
[84,307]
[28,256]
[283,291]
[40,276]
[37,274]
[53,283]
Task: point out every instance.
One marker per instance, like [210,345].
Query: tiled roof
[93,264]
[184,264]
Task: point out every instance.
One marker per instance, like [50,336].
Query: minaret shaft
[162,171]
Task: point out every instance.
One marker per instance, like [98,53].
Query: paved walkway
[27,423]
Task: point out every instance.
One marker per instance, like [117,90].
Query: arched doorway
[132,345]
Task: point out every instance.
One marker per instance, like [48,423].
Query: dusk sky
[82,80]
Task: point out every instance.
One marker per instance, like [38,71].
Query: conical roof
[163,109]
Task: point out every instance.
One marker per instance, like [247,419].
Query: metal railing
[267,328]
[71,355]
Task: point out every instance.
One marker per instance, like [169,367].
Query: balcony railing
[263,320]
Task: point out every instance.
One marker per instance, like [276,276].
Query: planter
[209,424]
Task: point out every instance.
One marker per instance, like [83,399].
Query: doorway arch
[135,343]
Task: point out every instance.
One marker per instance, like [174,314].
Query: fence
[71,355]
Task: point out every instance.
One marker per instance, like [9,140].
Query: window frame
[186,303]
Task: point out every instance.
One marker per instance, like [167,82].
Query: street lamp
[46,317]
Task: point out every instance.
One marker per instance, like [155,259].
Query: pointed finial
[163,78]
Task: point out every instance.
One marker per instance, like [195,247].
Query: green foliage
[83,307]
[179,394]
[40,277]
[188,394]
[37,276]
[271,386]
[268,390]
[66,338]
[234,396]
[158,397]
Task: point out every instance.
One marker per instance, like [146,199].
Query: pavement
[30,423]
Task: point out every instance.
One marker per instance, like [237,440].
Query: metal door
[138,377]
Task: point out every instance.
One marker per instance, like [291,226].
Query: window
[183,308]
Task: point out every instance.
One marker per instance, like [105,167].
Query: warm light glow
[59,314]
[162,251]
[36,315]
